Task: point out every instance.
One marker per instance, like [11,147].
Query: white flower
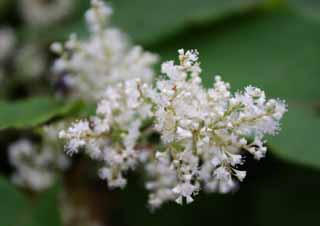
[163,179]
[37,165]
[183,133]
[240,174]
[203,131]
[112,135]
[185,190]
[105,58]
[98,15]
[74,134]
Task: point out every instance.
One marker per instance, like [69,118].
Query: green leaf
[32,112]
[12,205]
[46,211]
[132,201]
[274,51]
[17,210]
[298,140]
[53,33]
[278,51]
[307,8]
[148,21]
[286,196]
[274,193]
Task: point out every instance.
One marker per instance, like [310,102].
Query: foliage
[18,210]
[32,111]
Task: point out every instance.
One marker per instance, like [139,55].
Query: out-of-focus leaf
[53,33]
[86,110]
[46,211]
[307,8]
[32,112]
[278,51]
[298,140]
[206,206]
[274,193]
[148,21]
[12,205]
[286,196]
[16,210]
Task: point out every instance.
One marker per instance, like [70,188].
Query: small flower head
[105,58]
[38,164]
[204,132]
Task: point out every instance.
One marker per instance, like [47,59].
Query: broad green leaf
[17,210]
[307,8]
[278,51]
[32,112]
[53,33]
[286,196]
[274,193]
[86,110]
[46,210]
[215,207]
[298,140]
[12,206]
[148,21]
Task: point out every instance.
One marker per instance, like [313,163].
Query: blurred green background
[272,44]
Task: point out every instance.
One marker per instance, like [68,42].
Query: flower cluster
[105,58]
[36,165]
[111,136]
[204,132]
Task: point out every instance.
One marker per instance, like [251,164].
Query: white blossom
[210,126]
[106,57]
[204,132]
[163,178]
[36,165]
[111,136]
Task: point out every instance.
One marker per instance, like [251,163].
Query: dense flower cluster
[105,58]
[203,131]
[112,135]
[37,165]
